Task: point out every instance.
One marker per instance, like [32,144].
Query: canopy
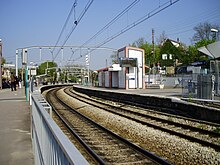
[212,50]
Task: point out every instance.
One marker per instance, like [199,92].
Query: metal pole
[24,62]
[153,56]
[61,56]
[217,76]
[0,64]
[40,54]
[88,65]
[16,64]
[26,83]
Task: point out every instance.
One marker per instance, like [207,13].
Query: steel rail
[194,139]
[90,151]
[150,155]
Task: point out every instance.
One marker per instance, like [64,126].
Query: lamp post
[215,31]
[216,77]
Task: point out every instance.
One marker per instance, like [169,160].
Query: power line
[111,22]
[75,24]
[139,21]
[183,26]
[66,22]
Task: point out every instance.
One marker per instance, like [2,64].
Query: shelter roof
[211,50]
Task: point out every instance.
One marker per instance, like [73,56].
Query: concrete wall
[163,104]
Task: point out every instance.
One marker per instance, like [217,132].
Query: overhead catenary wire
[110,23]
[183,26]
[139,21]
[75,25]
[66,22]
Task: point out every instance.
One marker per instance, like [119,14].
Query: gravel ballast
[176,150]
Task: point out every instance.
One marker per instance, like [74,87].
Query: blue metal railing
[50,145]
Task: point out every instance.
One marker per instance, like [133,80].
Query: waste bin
[204,87]
[191,87]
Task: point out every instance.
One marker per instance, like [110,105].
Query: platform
[15,135]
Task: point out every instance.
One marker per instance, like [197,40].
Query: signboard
[9,66]
[24,56]
[128,62]
[32,72]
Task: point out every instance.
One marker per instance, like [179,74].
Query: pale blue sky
[25,23]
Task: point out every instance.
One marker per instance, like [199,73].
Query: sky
[28,23]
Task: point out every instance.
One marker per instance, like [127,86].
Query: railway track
[204,133]
[204,102]
[104,146]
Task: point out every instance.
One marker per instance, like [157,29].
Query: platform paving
[166,92]
[15,135]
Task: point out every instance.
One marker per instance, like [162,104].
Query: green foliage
[193,54]
[3,61]
[169,49]
[183,54]
[203,42]
[48,64]
[73,78]
[150,57]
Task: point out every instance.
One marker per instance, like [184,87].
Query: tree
[48,64]
[3,61]
[203,42]
[162,38]
[148,53]
[203,32]
[138,43]
[114,58]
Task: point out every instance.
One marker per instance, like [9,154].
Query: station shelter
[128,73]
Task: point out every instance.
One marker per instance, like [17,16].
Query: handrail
[50,145]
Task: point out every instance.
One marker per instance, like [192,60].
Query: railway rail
[204,133]
[103,145]
[204,102]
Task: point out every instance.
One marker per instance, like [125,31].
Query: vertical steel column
[61,57]
[26,83]
[24,62]
[0,64]
[16,64]
[153,51]
[40,54]
[88,65]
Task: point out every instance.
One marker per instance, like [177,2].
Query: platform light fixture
[215,31]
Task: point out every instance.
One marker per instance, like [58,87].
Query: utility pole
[0,64]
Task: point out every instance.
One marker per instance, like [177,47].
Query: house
[167,54]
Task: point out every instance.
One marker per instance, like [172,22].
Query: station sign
[128,62]
[9,66]
[24,56]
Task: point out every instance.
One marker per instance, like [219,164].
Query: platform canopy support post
[24,62]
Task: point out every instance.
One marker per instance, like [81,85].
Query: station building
[128,73]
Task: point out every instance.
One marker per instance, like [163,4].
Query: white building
[128,74]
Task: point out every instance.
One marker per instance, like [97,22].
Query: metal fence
[50,145]
[201,86]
